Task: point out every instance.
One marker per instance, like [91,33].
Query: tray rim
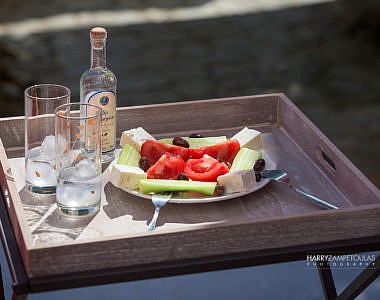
[24,240]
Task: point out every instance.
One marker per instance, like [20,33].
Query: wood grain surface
[272,217]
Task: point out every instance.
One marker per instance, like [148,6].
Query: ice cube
[34,152]
[67,174]
[86,168]
[48,146]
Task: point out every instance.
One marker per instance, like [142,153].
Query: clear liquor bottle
[98,86]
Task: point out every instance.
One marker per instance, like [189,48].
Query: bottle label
[107,102]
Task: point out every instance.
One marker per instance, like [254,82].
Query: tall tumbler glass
[40,104]
[78,156]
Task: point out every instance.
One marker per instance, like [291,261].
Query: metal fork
[282,176]
[159,200]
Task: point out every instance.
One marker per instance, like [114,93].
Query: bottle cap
[98,33]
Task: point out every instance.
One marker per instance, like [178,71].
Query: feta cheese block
[127,177]
[249,138]
[135,137]
[237,181]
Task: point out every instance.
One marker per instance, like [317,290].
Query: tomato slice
[169,166]
[153,150]
[224,151]
[205,168]
[196,152]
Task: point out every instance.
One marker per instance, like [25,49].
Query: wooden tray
[271,218]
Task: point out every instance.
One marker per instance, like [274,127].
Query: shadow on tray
[46,223]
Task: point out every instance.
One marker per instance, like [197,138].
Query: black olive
[259,165]
[258,176]
[144,164]
[178,141]
[195,135]
[182,176]
[219,190]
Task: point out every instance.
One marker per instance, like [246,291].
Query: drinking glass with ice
[40,166]
[78,158]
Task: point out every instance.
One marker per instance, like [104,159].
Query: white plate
[185,197]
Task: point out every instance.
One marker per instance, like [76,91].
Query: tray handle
[326,160]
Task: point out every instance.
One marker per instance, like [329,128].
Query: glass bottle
[98,86]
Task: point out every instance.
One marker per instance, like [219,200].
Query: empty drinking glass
[40,104]
[78,158]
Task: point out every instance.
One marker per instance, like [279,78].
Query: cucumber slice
[245,159]
[129,156]
[164,185]
[199,142]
